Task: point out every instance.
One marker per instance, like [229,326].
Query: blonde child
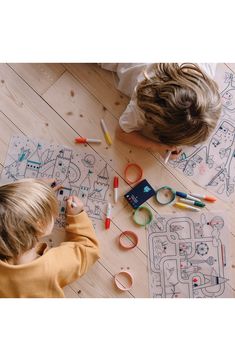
[171,105]
[27,268]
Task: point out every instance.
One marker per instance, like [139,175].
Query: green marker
[194,203]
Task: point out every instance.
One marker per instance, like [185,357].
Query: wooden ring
[128,278]
[139,170]
[132,237]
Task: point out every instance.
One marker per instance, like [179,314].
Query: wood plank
[39,76]
[33,116]
[93,78]
[8,129]
[231,66]
[90,285]
[69,292]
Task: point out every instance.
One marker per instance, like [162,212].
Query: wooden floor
[57,102]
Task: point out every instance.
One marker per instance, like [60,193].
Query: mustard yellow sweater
[54,269]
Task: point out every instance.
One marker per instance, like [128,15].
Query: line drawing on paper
[212,164]
[82,174]
[187,256]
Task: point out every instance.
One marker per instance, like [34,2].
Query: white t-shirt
[131,74]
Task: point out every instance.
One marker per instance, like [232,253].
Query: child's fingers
[74,205]
[69,202]
[174,156]
[177,151]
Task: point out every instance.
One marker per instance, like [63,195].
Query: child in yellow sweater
[27,268]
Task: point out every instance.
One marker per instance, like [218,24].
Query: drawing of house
[101,185]
[96,199]
[84,188]
[62,164]
[33,164]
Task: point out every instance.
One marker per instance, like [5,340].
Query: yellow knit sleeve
[72,258]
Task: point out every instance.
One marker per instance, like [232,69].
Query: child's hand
[175,153]
[74,206]
[162,149]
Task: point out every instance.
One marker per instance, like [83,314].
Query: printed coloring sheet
[188,256]
[82,172]
[212,164]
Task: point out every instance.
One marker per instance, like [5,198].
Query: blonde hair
[26,207]
[180,102]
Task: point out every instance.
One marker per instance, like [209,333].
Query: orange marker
[86,140]
[206,198]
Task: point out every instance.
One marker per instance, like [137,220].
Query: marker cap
[210,198]
[80,140]
[115,182]
[107,223]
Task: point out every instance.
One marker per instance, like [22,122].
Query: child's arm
[137,139]
[81,248]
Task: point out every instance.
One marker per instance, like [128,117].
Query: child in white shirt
[171,104]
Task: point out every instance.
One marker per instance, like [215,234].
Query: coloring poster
[188,256]
[212,164]
[82,172]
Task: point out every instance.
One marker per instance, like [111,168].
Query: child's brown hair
[26,207]
[181,102]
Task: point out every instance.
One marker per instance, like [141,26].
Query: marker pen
[86,140]
[185,206]
[203,196]
[73,204]
[187,196]
[106,133]
[194,203]
[115,188]
[168,154]
[108,215]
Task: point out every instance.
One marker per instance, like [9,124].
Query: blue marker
[185,195]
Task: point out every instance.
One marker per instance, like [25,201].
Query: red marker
[108,215]
[206,198]
[86,140]
[115,187]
